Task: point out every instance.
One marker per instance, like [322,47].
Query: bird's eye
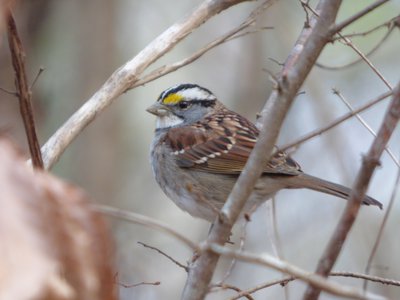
[184,104]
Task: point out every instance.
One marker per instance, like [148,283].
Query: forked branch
[370,162]
[127,76]
[309,45]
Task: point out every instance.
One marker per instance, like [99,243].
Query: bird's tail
[320,185]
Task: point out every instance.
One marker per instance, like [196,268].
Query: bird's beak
[158,109]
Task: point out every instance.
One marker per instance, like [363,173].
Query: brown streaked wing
[222,144]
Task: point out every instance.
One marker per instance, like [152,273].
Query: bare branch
[128,286]
[354,62]
[357,16]
[234,261]
[348,42]
[281,281]
[41,69]
[392,23]
[275,238]
[284,267]
[335,123]
[387,149]
[146,221]
[23,91]
[12,93]
[166,255]
[286,280]
[225,286]
[382,226]
[367,277]
[127,76]
[232,34]
[300,61]
[305,5]
[370,161]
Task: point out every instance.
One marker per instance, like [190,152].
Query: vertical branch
[309,45]
[370,162]
[382,227]
[23,90]
[276,239]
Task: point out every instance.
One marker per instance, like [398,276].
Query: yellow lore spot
[172,99]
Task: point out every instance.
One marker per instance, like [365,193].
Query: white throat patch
[168,121]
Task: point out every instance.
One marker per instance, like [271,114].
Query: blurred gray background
[80,43]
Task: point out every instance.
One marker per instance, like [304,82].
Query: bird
[200,147]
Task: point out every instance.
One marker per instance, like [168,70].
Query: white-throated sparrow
[200,147]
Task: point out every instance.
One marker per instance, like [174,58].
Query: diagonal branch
[370,162]
[165,255]
[360,59]
[349,43]
[127,75]
[382,227]
[309,45]
[232,34]
[357,16]
[298,273]
[145,221]
[287,279]
[23,91]
[364,123]
[338,121]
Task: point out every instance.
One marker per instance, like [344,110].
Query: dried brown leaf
[53,245]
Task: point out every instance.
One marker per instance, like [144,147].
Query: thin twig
[12,93]
[367,277]
[166,255]
[234,261]
[127,76]
[358,60]
[305,5]
[229,36]
[348,42]
[248,32]
[337,29]
[23,91]
[225,286]
[286,280]
[284,267]
[357,16]
[128,286]
[382,227]
[370,162]
[335,123]
[387,149]
[392,23]
[276,240]
[281,281]
[143,220]
[41,69]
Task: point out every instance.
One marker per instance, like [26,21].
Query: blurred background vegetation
[80,43]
